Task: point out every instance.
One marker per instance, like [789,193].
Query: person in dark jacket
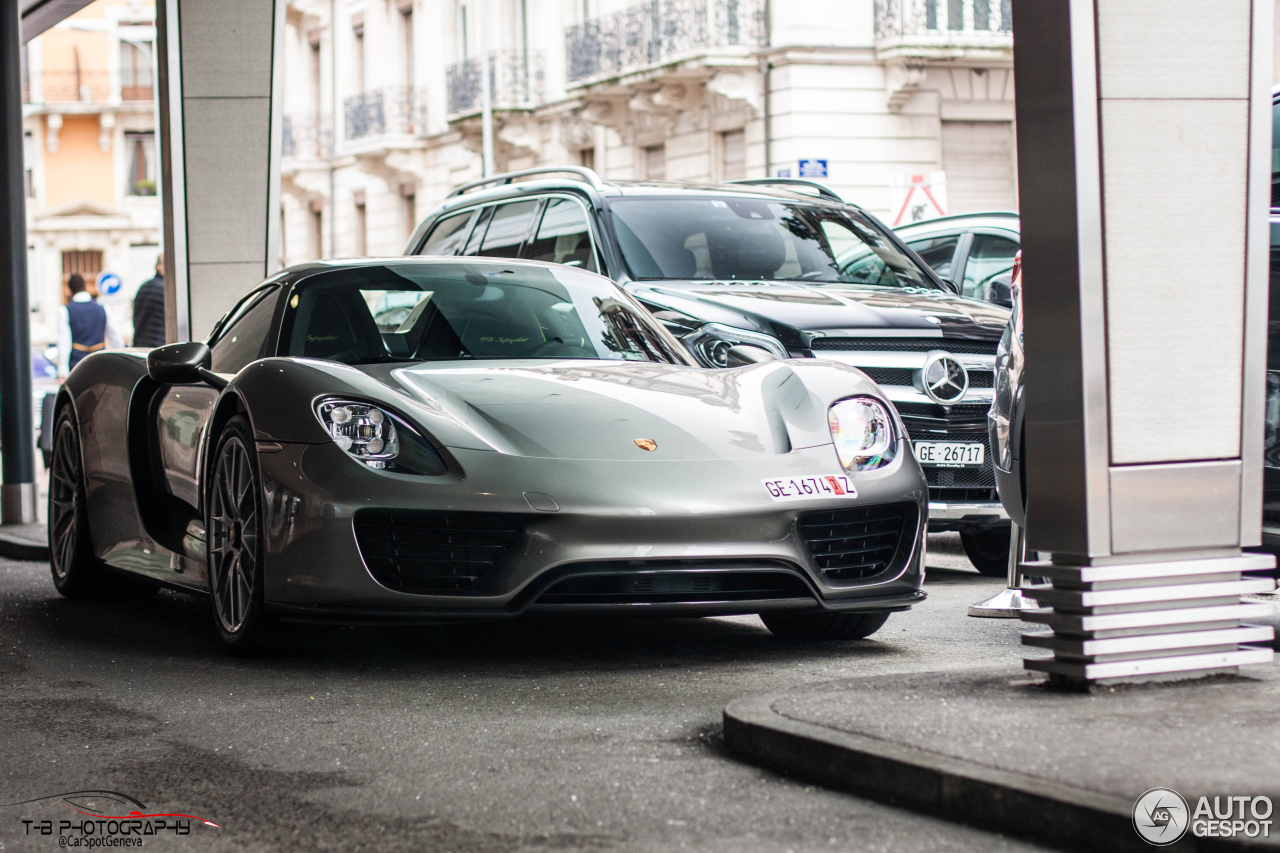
[148,310]
[83,327]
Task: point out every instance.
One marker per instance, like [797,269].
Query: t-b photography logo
[1160,816]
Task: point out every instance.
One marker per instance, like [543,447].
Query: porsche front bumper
[687,530]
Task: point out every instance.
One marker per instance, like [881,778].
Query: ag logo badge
[1161,816]
[646,444]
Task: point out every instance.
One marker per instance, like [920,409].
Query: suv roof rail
[793,182]
[585,174]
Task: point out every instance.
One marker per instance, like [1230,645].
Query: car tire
[811,627]
[77,572]
[988,550]
[233,503]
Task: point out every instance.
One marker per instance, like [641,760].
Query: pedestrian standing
[83,327]
[148,310]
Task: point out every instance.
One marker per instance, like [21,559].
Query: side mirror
[744,354]
[999,291]
[951,285]
[183,364]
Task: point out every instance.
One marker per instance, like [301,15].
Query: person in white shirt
[83,327]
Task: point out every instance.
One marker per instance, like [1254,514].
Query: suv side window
[937,252]
[448,234]
[989,256]
[508,228]
[564,237]
[477,233]
[241,340]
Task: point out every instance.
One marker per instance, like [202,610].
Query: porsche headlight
[710,345]
[365,432]
[862,431]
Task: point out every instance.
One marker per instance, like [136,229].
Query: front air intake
[422,551]
[854,544]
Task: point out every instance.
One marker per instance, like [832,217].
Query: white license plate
[950,454]
[810,488]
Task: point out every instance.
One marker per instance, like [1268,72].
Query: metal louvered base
[1146,621]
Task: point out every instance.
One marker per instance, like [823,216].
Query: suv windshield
[420,312]
[757,239]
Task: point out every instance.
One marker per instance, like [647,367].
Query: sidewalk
[996,749]
[24,542]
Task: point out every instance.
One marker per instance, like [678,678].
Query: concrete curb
[20,548]
[1011,803]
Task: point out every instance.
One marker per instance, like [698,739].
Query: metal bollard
[1012,601]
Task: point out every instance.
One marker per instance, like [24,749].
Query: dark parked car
[783,266]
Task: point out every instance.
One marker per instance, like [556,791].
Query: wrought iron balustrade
[942,21]
[658,30]
[516,81]
[307,135]
[69,86]
[389,110]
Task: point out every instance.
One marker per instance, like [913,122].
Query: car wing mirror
[950,284]
[999,292]
[744,354]
[183,364]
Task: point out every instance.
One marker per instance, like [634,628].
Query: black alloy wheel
[235,546]
[810,627]
[76,572]
[988,550]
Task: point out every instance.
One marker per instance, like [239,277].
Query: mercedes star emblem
[944,379]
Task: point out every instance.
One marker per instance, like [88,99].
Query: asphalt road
[529,736]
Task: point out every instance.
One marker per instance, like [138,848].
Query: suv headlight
[362,430]
[710,345]
[862,431]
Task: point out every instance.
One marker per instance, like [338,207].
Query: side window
[477,233]
[564,236]
[938,252]
[507,229]
[447,235]
[989,257]
[242,339]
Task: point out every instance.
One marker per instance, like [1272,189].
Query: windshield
[422,312]
[735,239]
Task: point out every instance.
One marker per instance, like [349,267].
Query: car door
[182,411]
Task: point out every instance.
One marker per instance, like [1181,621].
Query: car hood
[598,409]
[830,309]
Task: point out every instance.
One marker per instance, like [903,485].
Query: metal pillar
[1010,602]
[18,492]
[1144,405]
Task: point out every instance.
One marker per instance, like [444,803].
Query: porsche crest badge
[646,444]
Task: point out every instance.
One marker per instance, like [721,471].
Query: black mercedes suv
[784,266]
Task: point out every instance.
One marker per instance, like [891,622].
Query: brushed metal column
[1144,135]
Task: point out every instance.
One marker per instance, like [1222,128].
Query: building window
[28,156]
[357,29]
[409,192]
[406,25]
[587,158]
[362,227]
[140,148]
[88,264]
[317,230]
[654,163]
[733,155]
[135,72]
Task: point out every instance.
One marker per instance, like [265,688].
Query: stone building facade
[382,108]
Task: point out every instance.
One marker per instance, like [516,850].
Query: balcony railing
[71,86]
[390,110]
[943,23]
[307,136]
[515,82]
[657,30]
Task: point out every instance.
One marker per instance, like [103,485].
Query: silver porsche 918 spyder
[434,440]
